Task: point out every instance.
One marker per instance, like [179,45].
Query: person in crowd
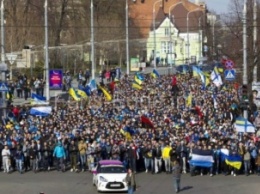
[33,155]
[182,154]
[73,150]
[257,163]
[176,169]
[82,147]
[166,155]
[148,158]
[19,159]
[6,154]
[60,155]
[131,182]
[45,155]
[157,152]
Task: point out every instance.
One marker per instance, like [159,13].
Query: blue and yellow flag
[106,94]
[234,161]
[126,134]
[136,86]
[137,80]
[82,94]
[155,74]
[73,94]
[196,71]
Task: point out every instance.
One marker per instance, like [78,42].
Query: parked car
[109,176]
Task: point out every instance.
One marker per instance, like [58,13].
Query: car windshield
[112,169]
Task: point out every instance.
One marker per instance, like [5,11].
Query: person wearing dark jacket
[19,158]
[133,156]
[182,154]
[176,169]
[157,152]
[46,154]
[73,150]
[148,158]
[33,157]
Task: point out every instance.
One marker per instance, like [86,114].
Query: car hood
[113,177]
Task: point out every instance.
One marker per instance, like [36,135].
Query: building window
[166,47]
[166,31]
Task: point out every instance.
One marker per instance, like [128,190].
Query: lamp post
[154,33]
[170,28]
[47,84]
[3,65]
[127,36]
[188,35]
[92,40]
[245,78]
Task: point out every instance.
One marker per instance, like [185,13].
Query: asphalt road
[73,183]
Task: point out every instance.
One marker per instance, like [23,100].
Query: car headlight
[102,179]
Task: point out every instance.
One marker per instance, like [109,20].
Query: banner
[55,79]
[134,64]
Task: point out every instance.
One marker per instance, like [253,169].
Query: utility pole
[127,36]
[245,78]
[92,40]
[3,56]
[47,84]
[255,42]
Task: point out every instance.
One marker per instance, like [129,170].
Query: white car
[109,175]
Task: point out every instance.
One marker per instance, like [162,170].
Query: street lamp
[3,65]
[188,35]
[47,84]
[92,40]
[154,33]
[170,28]
[127,37]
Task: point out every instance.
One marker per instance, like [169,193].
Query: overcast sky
[220,6]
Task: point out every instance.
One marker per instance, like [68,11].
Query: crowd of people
[180,115]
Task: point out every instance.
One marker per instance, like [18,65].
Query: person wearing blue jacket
[59,154]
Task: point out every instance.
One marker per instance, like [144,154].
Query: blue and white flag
[41,111]
[37,99]
[202,158]
[92,85]
[244,126]
[216,78]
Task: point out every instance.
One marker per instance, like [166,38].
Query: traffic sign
[11,57]
[230,74]
[229,64]
[3,87]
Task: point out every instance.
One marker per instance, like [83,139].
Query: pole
[255,42]
[171,18]
[188,35]
[127,36]
[188,40]
[213,33]
[92,40]
[46,52]
[154,40]
[154,32]
[200,42]
[3,54]
[245,78]
[170,34]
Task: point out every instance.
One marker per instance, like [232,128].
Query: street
[81,183]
